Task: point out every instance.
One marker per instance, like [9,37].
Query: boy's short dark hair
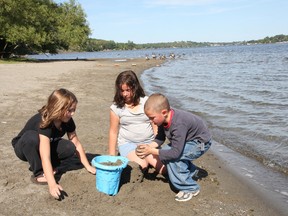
[157,102]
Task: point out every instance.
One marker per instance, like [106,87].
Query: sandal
[35,179]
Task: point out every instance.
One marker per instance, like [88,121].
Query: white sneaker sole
[181,193]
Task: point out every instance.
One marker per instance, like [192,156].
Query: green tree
[41,26]
[73,29]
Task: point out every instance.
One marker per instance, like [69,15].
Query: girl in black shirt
[40,141]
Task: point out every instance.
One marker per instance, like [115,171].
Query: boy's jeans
[182,170]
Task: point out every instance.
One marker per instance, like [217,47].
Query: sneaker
[199,174]
[180,194]
[185,196]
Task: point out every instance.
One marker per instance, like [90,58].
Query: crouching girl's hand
[91,170]
[55,190]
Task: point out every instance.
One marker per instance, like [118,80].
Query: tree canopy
[274,39]
[41,26]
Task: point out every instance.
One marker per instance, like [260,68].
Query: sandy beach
[24,88]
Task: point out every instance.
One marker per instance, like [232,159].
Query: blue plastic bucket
[108,176]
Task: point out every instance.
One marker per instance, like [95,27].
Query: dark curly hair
[130,79]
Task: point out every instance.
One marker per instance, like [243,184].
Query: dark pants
[27,149]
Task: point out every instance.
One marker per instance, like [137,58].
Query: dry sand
[24,88]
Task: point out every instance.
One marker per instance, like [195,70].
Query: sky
[153,21]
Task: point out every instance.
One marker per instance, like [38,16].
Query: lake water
[240,91]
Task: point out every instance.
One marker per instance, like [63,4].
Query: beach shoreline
[24,88]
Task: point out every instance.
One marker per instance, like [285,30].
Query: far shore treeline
[43,26]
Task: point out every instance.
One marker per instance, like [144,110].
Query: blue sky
[152,21]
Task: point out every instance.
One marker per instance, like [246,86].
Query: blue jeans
[181,170]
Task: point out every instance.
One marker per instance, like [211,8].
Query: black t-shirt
[51,131]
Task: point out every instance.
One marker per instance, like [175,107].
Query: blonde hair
[157,102]
[57,105]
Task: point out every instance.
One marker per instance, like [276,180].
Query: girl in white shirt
[129,126]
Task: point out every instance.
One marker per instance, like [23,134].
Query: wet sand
[24,88]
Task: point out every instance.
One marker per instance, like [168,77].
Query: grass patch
[16,60]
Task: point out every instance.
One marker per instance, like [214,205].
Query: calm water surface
[241,91]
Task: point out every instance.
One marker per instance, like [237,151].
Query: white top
[135,127]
